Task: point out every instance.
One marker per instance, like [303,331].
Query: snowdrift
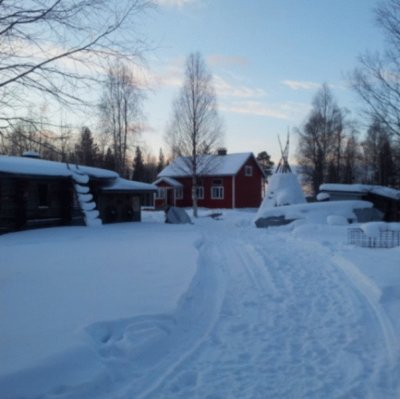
[311,212]
[283,189]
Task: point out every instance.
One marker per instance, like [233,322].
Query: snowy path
[290,324]
[266,315]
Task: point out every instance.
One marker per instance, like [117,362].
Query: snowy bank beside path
[292,322]
[56,283]
[215,310]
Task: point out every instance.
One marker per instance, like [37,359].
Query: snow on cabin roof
[41,167]
[209,165]
[170,181]
[362,188]
[121,184]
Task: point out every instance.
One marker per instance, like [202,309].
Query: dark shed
[385,199]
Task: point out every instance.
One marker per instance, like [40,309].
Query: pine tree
[138,166]
[161,161]
[86,150]
[378,155]
[109,160]
[264,159]
[351,158]
[386,167]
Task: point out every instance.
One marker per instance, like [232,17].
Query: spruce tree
[109,160]
[161,161]
[138,166]
[264,159]
[86,150]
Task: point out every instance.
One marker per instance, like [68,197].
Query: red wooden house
[228,181]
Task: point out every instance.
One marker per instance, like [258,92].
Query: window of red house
[179,193]
[160,194]
[200,192]
[248,170]
[217,192]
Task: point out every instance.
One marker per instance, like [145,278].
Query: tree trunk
[194,196]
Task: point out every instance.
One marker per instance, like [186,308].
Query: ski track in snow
[289,327]
[266,316]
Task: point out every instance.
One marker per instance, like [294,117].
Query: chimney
[222,151]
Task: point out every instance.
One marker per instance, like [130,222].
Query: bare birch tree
[320,143]
[376,80]
[52,49]
[120,110]
[196,128]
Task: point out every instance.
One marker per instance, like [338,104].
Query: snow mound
[92,221]
[374,229]
[315,212]
[283,189]
[88,206]
[336,220]
[85,197]
[81,189]
[176,215]
[80,178]
[323,196]
[93,214]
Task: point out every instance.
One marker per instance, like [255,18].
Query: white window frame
[161,193]
[248,170]
[179,193]
[217,192]
[200,192]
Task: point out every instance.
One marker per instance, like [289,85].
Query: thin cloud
[170,80]
[286,111]
[255,108]
[174,3]
[226,89]
[301,85]
[172,75]
[226,60]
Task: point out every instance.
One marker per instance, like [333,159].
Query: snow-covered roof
[41,167]
[209,165]
[362,188]
[121,184]
[170,181]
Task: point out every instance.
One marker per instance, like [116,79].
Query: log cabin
[40,193]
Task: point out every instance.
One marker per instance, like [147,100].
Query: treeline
[80,148]
[115,144]
[330,147]
[331,150]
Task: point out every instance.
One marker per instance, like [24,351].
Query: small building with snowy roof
[36,192]
[385,199]
[224,181]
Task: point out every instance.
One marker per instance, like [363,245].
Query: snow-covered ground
[218,309]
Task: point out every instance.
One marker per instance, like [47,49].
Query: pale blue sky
[267,57]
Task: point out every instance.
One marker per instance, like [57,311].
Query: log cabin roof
[40,167]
